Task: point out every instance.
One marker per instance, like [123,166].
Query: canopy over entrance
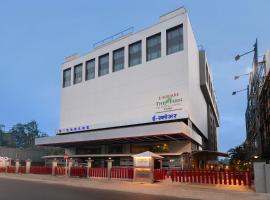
[147,154]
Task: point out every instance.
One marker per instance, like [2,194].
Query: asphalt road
[27,190]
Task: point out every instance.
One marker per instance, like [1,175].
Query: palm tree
[237,157]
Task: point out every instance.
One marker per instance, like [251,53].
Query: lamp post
[237,91]
[255,50]
[238,76]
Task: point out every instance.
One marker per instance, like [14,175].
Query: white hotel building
[149,90]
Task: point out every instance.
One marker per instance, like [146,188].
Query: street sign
[66,156]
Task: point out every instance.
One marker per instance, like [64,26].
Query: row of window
[174,43]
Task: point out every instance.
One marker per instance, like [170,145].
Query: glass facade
[77,74]
[90,69]
[103,65]
[153,47]
[67,77]
[118,59]
[135,54]
[175,39]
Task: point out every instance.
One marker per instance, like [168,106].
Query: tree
[25,134]
[238,158]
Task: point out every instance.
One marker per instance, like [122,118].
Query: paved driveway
[26,190]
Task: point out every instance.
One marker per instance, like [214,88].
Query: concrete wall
[23,154]
[262,177]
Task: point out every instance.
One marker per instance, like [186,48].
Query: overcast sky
[36,36]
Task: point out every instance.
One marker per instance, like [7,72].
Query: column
[89,165]
[28,166]
[17,166]
[109,167]
[70,163]
[54,165]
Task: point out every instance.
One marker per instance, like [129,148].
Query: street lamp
[235,92]
[255,50]
[238,76]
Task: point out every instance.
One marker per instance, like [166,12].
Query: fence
[159,174]
[41,170]
[22,169]
[122,173]
[11,169]
[78,171]
[212,177]
[98,172]
[186,176]
[2,169]
[60,171]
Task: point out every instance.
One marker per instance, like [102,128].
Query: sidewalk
[165,188]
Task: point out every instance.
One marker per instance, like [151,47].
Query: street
[27,190]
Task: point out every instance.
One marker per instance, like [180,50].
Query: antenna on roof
[113,37]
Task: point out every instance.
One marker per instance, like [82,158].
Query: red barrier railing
[78,171]
[159,174]
[22,169]
[211,177]
[11,169]
[40,170]
[2,169]
[122,173]
[60,171]
[98,172]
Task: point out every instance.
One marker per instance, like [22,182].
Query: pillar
[160,161]
[28,166]
[17,166]
[54,165]
[109,167]
[89,165]
[70,163]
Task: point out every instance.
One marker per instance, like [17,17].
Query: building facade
[258,110]
[150,90]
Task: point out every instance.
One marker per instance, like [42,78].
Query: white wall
[129,96]
[197,104]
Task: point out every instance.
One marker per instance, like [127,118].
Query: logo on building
[168,103]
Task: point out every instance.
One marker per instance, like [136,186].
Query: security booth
[144,166]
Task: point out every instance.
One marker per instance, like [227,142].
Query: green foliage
[21,135]
[238,158]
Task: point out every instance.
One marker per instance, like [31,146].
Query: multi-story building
[258,110]
[150,90]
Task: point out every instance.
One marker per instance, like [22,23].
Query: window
[175,39]
[66,77]
[118,59]
[153,47]
[103,65]
[77,74]
[135,54]
[90,69]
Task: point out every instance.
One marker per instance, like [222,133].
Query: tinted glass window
[67,77]
[118,59]
[135,54]
[175,39]
[90,69]
[103,65]
[153,47]
[78,74]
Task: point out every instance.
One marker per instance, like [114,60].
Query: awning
[147,154]
[140,133]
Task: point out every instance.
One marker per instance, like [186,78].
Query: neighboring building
[258,110]
[151,90]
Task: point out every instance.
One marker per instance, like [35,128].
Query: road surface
[11,189]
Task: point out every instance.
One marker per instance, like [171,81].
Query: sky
[36,36]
